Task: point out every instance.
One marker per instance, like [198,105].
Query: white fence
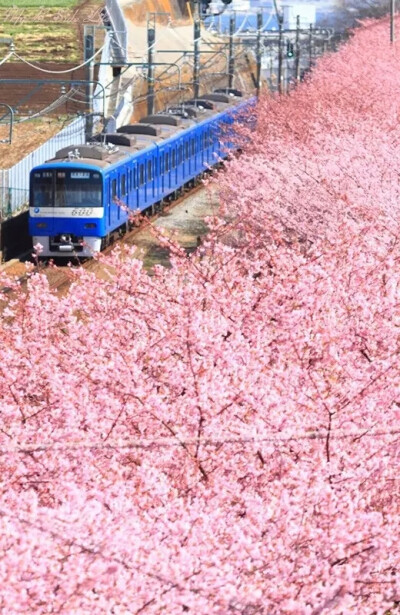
[14,182]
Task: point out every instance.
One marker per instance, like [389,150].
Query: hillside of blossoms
[222,437]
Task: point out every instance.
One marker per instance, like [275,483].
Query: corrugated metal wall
[14,182]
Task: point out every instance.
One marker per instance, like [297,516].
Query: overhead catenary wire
[54,105]
[7,57]
[178,441]
[57,72]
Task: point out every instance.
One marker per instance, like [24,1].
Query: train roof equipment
[163,118]
[185,111]
[230,92]
[116,138]
[215,97]
[201,103]
[140,129]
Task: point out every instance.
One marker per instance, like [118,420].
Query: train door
[161,158]
[141,186]
[186,158]
[196,154]
[121,212]
[192,156]
[155,177]
[208,148]
[106,200]
[181,171]
[149,180]
[174,170]
[167,170]
[112,219]
[134,202]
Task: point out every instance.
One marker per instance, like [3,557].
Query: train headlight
[41,225]
[90,225]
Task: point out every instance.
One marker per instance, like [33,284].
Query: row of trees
[223,437]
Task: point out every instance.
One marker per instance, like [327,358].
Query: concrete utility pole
[297,60]
[196,49]
[258,51]
[151,39]
[89,73]
[231,63]
[279,17]
[392,11]
[280,56]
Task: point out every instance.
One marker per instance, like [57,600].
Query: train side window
[167,162]
[149,171]
[180,148]
[193,147]
[113,189]
[186,150]
[133,179]
[173,162]
[162,164]
[123,184]
[141,175]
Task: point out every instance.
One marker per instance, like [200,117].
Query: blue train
[81,199]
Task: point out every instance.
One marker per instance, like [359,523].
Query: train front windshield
[55,188]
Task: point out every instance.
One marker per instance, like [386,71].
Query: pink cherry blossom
[223,436]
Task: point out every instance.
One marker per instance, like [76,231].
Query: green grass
[44,30]
[43,41]
[18,4]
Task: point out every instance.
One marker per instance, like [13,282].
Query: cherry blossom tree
[223,436]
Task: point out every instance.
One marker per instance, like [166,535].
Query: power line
[175,441]
[57,72]
[64,98]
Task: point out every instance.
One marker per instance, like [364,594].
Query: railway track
[190,223]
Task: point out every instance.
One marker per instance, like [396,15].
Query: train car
[82,198]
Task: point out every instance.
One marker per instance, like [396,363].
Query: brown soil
[139,11]
[29,135]
[26,137]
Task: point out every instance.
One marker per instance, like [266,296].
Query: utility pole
[231,63]
[280,53]
[196,49]
[392,10]
[297,60]
[89,70]
[310,43]
[279,17]
[258,51]
[151,39]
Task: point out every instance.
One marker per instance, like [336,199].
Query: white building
[306,12]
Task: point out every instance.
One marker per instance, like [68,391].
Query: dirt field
[39,34]
[29,135]
[25,138]
[47,31]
